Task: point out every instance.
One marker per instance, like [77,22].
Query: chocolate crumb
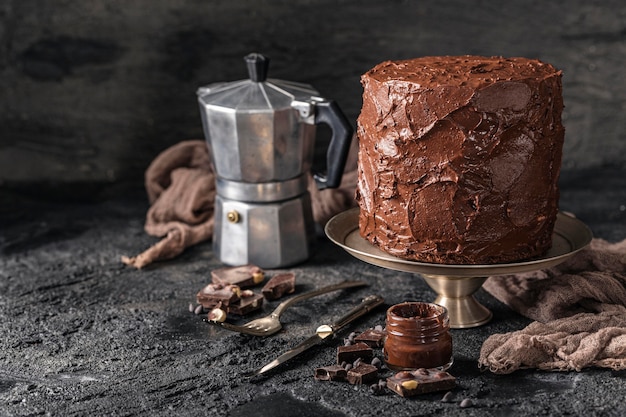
[377,363]
[330,373]
[379,388]
[447,397]
[466,403]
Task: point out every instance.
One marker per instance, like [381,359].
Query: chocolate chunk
[362,374]
[352,352]
[214,295]
[242,276]
[420,381]
[371,337]
[378,388]
[279,285]
[331,373]
[246,305]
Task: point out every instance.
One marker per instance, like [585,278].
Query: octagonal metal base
[269,235]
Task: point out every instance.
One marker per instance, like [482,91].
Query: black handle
[257,66]
[328,112]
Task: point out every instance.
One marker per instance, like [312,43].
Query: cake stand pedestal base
[455,285]
[457,295]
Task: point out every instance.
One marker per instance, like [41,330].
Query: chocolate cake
[459,158]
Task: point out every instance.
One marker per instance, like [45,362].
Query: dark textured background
[92,91]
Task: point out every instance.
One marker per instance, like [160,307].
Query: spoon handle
[330,288]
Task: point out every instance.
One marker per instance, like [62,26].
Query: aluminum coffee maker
[261,136]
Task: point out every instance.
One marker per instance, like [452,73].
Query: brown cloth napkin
[580,312]
[180,183]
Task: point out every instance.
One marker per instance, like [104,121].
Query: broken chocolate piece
[246,305]
[279,285]
[242,276]
[362,374]
[420,381]
[372,337]
[351,353]
[331,373]
[214,295]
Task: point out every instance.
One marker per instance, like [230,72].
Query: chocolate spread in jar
[418,336]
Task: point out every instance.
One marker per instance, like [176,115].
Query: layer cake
[459,158]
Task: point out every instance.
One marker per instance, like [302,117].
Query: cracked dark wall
[54,59]
[92,91]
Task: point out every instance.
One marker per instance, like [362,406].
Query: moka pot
[261,136]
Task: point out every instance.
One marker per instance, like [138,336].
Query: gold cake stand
[455,285]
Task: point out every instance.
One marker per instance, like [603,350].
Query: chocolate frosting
[459,158]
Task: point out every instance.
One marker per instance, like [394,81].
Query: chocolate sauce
[418,336]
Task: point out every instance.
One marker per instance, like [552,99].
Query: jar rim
[412,310]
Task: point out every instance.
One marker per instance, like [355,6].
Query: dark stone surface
[85,335]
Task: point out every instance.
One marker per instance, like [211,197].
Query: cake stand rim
[567,228]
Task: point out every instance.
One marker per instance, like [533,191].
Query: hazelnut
[410,384]
[421,371]
[236,290]
[258,276]
[404,375]
[217,314]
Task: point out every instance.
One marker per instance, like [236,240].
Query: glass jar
[417,336]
